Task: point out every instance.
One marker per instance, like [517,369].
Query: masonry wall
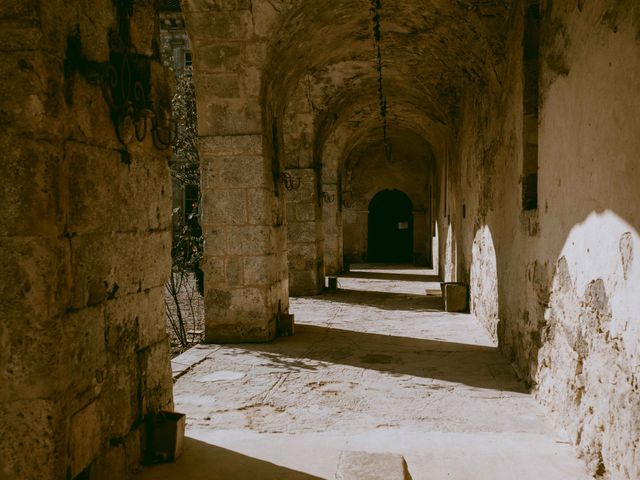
[558,285]
[369,172]
[85,240]
[304,210]
[243,206]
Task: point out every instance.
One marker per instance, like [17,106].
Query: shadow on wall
[202,461]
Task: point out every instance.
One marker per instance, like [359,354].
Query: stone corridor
[264,145]
[378,367]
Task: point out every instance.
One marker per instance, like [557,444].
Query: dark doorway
[390,228]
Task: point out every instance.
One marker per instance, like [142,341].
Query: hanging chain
[376,7]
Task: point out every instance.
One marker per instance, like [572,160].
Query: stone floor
[375,367]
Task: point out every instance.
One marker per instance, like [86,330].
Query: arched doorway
[390,228]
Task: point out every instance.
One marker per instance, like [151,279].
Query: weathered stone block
[259,206]
[216,238]
[306,212]
[220,57]
[224,25]
[259,270]
[85,438]
[155,374]
[240,315]
[220,85]
[234,271]
[217,116]
[226,207]
[107,195]
[33,200]
[36,273]
[302,232]
[248,240]
[372,466]
[304,282]
[84,355]
[235,145]
[235,172]
[32,102]
[33,427]
[141,29]
[25,10]
[105,267]
[20,36]
[214,271]
[150,315]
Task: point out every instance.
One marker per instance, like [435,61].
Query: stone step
[371,466]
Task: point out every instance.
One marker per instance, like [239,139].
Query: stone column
[332,222]
[305,235]
[245,262]
[245,241]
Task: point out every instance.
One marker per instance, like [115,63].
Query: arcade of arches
[494,140]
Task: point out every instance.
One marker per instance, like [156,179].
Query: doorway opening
[390,238]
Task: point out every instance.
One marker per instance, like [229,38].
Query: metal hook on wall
[290,182]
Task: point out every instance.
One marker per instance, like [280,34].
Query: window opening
[531,91]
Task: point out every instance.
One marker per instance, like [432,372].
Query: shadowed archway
[390,236]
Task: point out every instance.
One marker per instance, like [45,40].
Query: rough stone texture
[245,255]
[305,235]
[295,84]
[85,252]
[557,285]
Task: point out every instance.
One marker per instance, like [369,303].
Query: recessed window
[531,92]
[187,60]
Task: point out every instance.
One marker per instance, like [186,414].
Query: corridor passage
[375,367]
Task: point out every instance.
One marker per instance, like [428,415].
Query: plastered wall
[558,286]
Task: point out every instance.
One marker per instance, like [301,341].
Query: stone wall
[367,172]
[557,284]
[245,253]
[85,249]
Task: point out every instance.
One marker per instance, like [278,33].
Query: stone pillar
[421,239]
[332,222]
[85,242]
[245,262]
[245,241]
[305,235]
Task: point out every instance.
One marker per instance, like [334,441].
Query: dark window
[390,228]
[188,62]
[531,93]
